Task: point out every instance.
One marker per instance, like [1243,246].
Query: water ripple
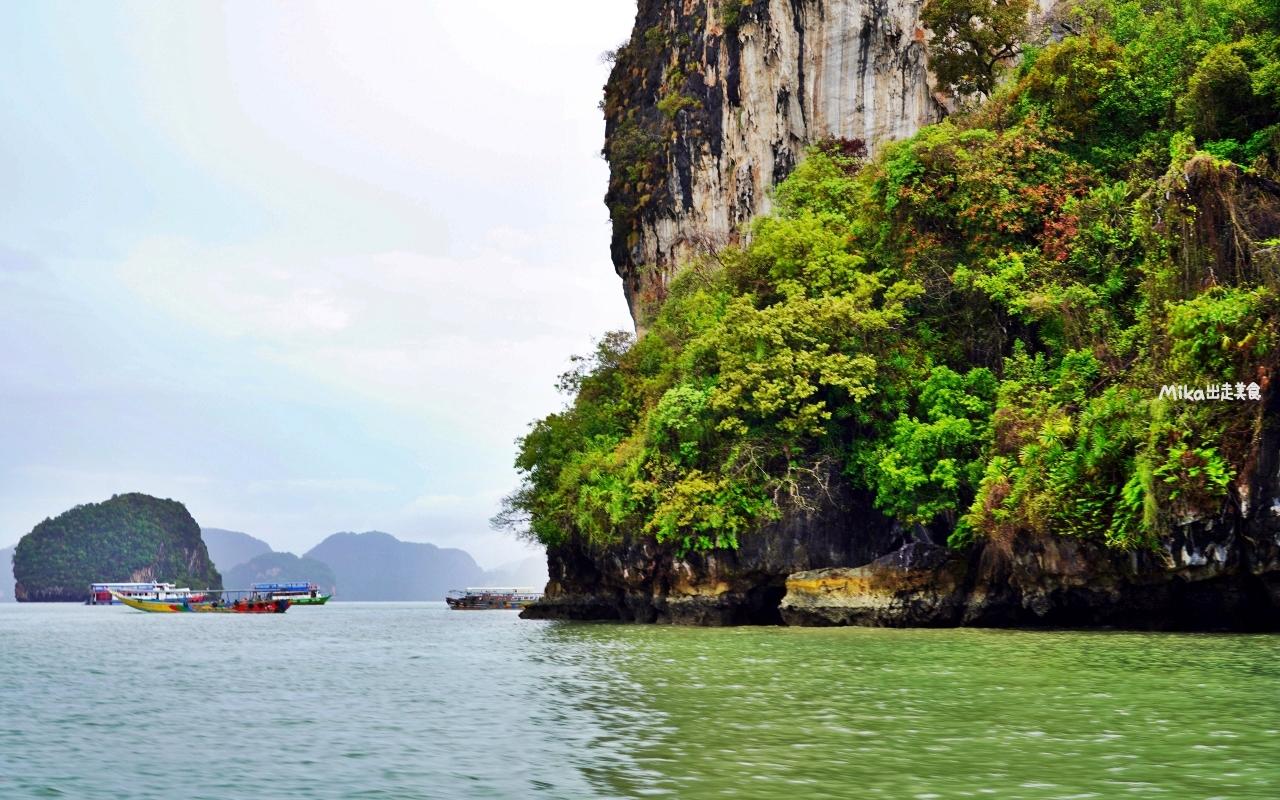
[411,701]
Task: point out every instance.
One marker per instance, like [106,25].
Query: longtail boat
[252,605]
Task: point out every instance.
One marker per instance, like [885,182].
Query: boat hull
[495,606]
[492,598]
[170,607]
[309,601]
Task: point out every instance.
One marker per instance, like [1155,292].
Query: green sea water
[414,701]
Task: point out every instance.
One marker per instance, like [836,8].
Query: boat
[298,594]
[492,598]
[243,605]
[100,594]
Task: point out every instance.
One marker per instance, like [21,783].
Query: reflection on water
[768,713]
[413,701]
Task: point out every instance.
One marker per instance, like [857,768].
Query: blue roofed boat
[298,593]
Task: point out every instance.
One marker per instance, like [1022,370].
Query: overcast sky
[304,266]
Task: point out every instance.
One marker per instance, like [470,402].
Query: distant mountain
[280,568]
[6,575]
[378,566]
[131,537]
[231,548]
[531,572]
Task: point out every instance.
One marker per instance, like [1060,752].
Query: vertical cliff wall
[712,102]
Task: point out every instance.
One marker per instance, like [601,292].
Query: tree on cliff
[131,537]
[972,39]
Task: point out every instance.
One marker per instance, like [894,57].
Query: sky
[306,267]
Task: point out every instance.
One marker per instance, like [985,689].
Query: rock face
[1207,578]
[921,584]
[129,538]
[646,582]
[712,103]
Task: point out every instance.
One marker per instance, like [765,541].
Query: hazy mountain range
[378,566]
[229,549]
[365,566]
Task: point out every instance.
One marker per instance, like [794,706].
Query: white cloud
[434,502]
[475,340]
[237,291]
[312,485]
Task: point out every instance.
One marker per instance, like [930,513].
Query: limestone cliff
[712,102]
[709,105]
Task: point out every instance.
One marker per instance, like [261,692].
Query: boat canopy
[283,587]
[501,590]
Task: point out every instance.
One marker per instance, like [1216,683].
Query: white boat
[299,594]
[492,598]
[100,594]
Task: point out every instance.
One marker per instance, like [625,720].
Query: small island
[131,537]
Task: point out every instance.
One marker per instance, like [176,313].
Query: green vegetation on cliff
[131,537]
[974,326]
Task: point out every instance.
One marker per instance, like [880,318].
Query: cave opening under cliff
[766,606]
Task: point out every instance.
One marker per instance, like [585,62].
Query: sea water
[405,701]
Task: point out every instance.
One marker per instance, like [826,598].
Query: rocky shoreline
[1200,582]
[645,582]
[1230,583]
[849,565]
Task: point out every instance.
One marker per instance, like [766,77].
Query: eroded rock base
[758,606]
[643,581]
[1229,584]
